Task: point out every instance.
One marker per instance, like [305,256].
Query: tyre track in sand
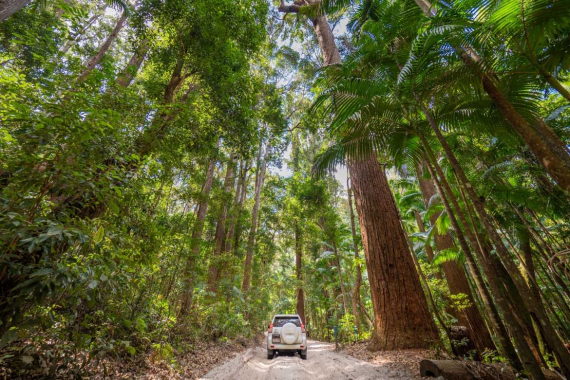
[322,363]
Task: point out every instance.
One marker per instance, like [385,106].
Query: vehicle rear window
[281,321]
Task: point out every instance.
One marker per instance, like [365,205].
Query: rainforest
[175,173]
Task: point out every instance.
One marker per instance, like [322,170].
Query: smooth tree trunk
[219,237]
[129,73]
[189,278]
[339,270]
[457,281]
[103,49]
[260,177]
[401,315]
[358,268]
[299,271]
[241,192]
[9,7]
[323,31]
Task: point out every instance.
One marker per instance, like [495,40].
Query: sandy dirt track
[322,363]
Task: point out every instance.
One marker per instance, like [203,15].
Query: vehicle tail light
[271,327]
[302,346]
[303,328]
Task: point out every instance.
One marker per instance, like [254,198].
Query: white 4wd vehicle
[287,333]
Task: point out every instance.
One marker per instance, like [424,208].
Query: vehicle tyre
[304,354]
[270,354]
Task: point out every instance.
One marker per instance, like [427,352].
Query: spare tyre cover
[289,333]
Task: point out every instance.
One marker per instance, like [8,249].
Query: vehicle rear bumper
[285,347]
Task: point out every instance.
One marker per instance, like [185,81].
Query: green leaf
[99,235]
[93,284]
[42,272]
[446,255]
[8,337]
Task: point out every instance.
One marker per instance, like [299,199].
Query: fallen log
[471,370]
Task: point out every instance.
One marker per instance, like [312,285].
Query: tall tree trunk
[299,272]
[196,240]
[323,31]
[358,277]
[399,322]
[9,7]
[251,239]
[241,191]
[103,49]
[129,73]
[457,280]
[219,237]
[339,270]
[401,315]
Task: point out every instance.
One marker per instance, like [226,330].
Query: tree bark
[339,270]
[241,191]
[103,49]
[9,7]
[323,31]
[298,272]
[129,73]
[219,237]
[197,231]
[401,316]
[358,277]
[251,240]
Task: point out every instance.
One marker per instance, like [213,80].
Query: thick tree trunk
[9,7]
[219,237]
[103,49]
[331,56]
[251,240]
[402,319]
[358,268]
[457,281]
[298,271]
[197,231]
